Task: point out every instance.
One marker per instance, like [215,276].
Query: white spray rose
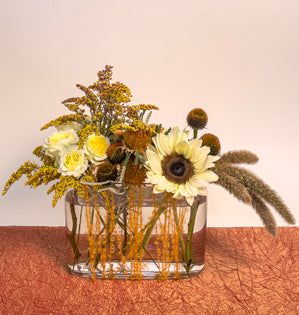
[72,162]
[60,140]
[72,125]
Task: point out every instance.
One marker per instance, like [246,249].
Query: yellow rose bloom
[95,148]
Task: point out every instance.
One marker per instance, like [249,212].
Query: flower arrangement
[106,145]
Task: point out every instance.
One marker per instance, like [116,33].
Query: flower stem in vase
[152,223]
[176,220]
[188,253]
[73,233]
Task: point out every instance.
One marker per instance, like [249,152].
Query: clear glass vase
[118,233]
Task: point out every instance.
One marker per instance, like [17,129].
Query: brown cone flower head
[212,142]
[106,171]
[134,174]
[137,140]
[197,118]
[177,169]
[115,153]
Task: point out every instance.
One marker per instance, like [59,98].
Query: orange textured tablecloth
[246,272]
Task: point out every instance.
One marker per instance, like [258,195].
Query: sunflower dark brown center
[177,169]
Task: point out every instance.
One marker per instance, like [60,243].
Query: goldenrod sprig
[63,185]
[26,169]
[43,175]
[41,154]
[84,133]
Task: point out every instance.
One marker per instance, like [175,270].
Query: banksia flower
[115,153]
[137,140]
[134,174]
[212,142]
[197,118]
[106,171]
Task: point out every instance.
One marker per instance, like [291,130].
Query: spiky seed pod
[115,153]
[197,118]
[212,142]
[238,157]
[137,140]
[106,171]
[134,174]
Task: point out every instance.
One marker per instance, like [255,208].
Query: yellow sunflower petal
[190,200]
[198,181]
[171,187]
[162,184]
[163,144]
[183,149]
[199,154]
[208,176]
[202,191]
[153,161]
[178,136]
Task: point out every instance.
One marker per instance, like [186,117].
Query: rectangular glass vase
[131,233]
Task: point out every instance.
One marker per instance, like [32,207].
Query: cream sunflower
[179,166]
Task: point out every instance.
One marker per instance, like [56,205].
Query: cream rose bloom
[59,140]
[95,148]
[72,125]
[72,162]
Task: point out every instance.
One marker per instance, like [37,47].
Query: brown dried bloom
[212,142]
[197,118]
[134,174]
[137,140]
[106,171]
[115,153]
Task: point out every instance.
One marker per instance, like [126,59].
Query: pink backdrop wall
[236,59]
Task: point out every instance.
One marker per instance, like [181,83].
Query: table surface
[246,272]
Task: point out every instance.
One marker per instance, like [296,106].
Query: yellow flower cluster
[26,169]
[80,144]
[143,107]
[43,175]
[40,153]
[84,133]
[65,183]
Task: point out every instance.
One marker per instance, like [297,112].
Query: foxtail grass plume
[264,213]
[258,187]
[233,186]
[238,157]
